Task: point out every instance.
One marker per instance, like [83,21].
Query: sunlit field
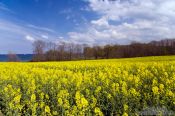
[92,87]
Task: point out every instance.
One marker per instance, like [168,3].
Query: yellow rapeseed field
[104,87]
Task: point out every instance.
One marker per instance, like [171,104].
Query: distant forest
[62,51]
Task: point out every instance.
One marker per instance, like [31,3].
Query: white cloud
[129,20]
[100,22]
[30,38]
[45,36]
[16,34]
[61,37]
[19,30]
[96,36]
[3,7]
[78,37]
[41,28]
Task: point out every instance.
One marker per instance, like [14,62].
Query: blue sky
[23,21]
[83,21]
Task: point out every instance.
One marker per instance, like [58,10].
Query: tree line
[62,51]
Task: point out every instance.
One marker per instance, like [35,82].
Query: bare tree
[78,51]
[70,51]
[107,51]
[51,54]
[88,52]
[61,51]
[38,50]
[70,47]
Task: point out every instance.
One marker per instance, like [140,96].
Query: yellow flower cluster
[104,87]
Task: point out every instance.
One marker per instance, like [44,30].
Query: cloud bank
[123,21]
